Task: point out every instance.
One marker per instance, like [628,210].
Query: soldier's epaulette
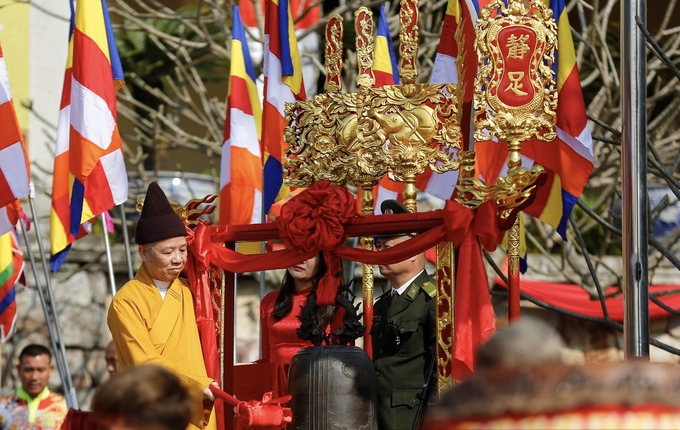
[430,289]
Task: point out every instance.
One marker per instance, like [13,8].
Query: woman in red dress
[281,313]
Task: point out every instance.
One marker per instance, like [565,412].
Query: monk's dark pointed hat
[158,221]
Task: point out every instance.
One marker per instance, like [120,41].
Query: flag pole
[633,180]
[50,316]
[126,241]
[109,263]
[41,294]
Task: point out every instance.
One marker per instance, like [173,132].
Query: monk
[152,318]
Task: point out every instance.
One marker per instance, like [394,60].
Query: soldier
[403,332]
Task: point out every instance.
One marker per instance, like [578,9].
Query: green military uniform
[404,335]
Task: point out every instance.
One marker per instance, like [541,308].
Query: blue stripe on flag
[58,259]
[284,39]
[116,66]
[239,33]
[72,21]
[568,202]
[76,205]
[273,179]
[7,300]
[384,30]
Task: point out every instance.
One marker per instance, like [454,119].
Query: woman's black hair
[314,319]
[284,301]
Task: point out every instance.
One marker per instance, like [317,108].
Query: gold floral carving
[446,267]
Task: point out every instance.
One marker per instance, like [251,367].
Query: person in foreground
[146,397]
[403,333]
[152,317]
[33,406]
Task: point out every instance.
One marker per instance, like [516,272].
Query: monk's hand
[207,394]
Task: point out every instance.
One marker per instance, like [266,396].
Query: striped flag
[11,271]
[89,169]
[386,72]
[385,66]
[14,164]
[241,168]
[282,84]
[455,62]
[568,159]
[9,216]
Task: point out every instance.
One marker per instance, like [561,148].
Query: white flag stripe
[244,132]
[257,208]
[384,194]
[5,224]
[278,93]
[15,173]
[63,130]
[5,92]
[582,145]
[444,70]
[91,116]
[225,164]
[116,176]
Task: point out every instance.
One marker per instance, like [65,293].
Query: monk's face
[165,259]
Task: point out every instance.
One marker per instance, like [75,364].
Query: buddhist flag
[9,216]
[385,66]
[455,62]
[14,164]
[89,169]
[241,169]
[568,159]
[11,271]
[386,72]
[282,84]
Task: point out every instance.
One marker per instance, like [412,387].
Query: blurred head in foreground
[527,341]
[146,397]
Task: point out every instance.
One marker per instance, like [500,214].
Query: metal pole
[69,390]
[109,263]
[126,241]
[62,366]
[634,183]
[223,325]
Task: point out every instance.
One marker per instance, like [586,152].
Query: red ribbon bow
[313,220]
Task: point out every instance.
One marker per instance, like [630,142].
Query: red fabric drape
[474,318]
[79,420]
[313,222]
[199,281]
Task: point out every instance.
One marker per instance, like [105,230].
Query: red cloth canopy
[316,220]
[573,298]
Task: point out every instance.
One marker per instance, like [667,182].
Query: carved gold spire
[356,138]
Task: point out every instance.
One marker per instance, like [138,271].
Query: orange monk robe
[147,329]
